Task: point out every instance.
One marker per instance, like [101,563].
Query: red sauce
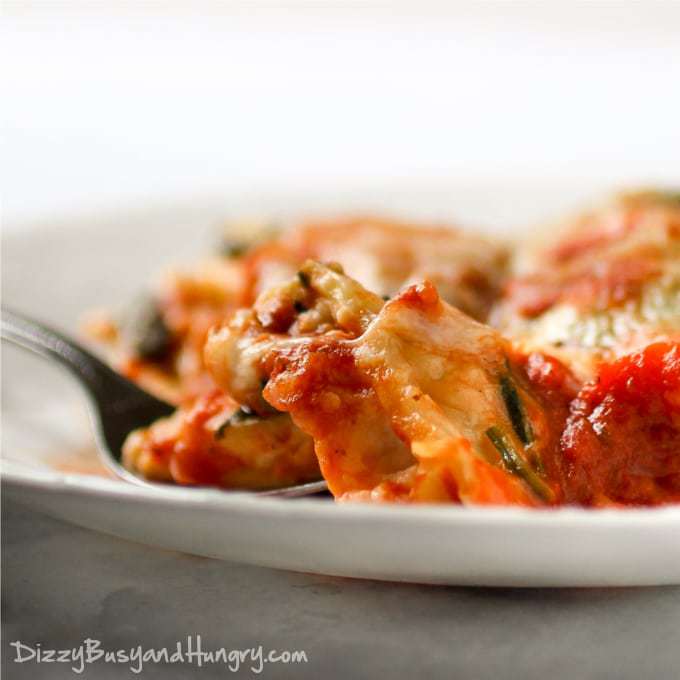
[584,269]
[554,387]
[613,441]
[196,458]
[594,233]
[599,286]
[421,296]
[621,443]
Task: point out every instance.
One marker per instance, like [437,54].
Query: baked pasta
[409,363]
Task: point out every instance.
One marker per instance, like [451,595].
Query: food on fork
[405,400]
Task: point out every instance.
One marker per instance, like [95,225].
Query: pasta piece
[162,347]
[406,400]
[610,286]
[385,255]
[213,442]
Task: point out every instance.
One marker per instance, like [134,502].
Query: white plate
[58,271]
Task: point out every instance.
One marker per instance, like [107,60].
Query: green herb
[670,196]
[145,332]
[515,464]
[304,279]
[234,248]
[516,412]
[219,432]
[299,307]
[242,415]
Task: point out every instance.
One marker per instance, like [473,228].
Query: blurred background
[106,103]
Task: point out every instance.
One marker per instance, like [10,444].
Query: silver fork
[117,406]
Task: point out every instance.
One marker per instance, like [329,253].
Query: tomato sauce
[604,285]
[197,458]
[554,387]
[621,443]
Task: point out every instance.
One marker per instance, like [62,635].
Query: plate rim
[567,518]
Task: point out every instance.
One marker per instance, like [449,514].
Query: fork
[117,405]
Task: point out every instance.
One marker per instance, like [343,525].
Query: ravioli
[418,364]
[404,399]
[608,286]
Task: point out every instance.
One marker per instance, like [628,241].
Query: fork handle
[49,343]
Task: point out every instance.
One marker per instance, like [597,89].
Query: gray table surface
[62,584]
